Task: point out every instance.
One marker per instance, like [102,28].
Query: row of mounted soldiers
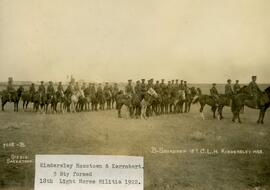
[161,88]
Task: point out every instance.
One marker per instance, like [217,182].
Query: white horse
[147,101]
[75,99]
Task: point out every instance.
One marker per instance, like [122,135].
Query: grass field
[99,133]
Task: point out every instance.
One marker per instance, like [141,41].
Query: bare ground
[99,133]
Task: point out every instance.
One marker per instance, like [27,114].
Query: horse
[156,104]
[60,96]
[244,99]
[101,100]
[179,102]
[189,98]
[13,96]
[165,99]
[108,98]
[26,98]
[74,104]
[147,100]
[87,94]
[205,100]
[226,100]
[123,99]
[46,99]
[94,101]
[114,94]
[36,101]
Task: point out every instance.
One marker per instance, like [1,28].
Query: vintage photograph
[180,85]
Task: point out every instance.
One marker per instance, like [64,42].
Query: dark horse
[205,100]
[123,99]
[11,97]
[244,99]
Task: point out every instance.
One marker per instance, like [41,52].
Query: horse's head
[152,92]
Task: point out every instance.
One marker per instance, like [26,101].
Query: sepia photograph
[133,95]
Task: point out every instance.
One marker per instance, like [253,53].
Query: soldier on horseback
[157,87]
[83,86]
[10,88]
[32,91]
[214,93]
[115,88]
[143,87]
[60,87]
[50,89]
[228,88]
[76,87]
[181,85]
[99,90]
[69,91]
[150,84]
[254,89]
[236,87]
[106,88]
[129,88]
[41,88]
[137,88]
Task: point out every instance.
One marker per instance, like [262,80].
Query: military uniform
[137,88]
[41,88]
[83,86]
[115,88]
[143,87]
[99,90]
[214,93]
[157,88]
[187,91]
[60,87]
[228,90]
[77,87]
[129,88]
[163,88]
[50,89]
[32,89]
[181,86]
[169,88]
[254,90]
[93,89]
[236,88]
[106,88]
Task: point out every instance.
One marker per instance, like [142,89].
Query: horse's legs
[260,115]
[238,116]
[119,107]
[201,110]
[263,113]
[3,105]
[214,108]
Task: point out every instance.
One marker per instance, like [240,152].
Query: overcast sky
[115,40]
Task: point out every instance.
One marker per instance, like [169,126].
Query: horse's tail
[195,99]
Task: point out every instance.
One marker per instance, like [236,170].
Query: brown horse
[205,100]
[11,97]
[244,99]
